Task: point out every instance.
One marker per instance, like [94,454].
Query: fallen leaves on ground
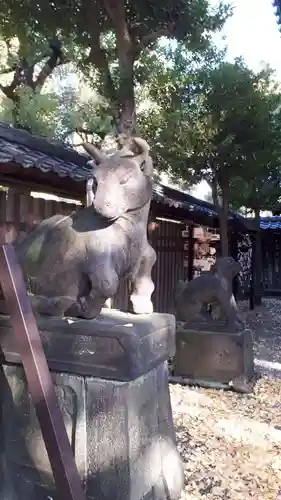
[231,443]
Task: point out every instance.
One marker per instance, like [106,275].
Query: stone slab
[116,345]
[121,433]
[224,358]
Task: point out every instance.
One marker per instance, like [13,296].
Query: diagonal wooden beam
[38,377]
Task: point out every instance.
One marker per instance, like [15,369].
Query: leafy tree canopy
[111,36]
[223,129]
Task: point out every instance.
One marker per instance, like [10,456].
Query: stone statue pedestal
[111,379]
[215,358]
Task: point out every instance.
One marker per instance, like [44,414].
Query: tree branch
[7,91]
[10,90]
[116,11]
[147,40]
[126,99]
[53,62]
[23,72]
[97,55]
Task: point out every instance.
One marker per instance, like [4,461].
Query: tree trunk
[257,277]
[127,107]
[126,122]
[224,233]
[222,209]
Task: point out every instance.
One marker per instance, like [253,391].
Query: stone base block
[120,428]
[209,358]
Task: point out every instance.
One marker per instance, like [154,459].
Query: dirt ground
[231,443]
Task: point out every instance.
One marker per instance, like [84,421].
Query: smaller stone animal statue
[214,286]
[73,264]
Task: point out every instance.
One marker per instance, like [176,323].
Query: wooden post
[233,241]
[3,204]
[258,287]
[190,254]
[252,278]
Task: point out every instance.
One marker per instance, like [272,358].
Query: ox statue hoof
[141,304]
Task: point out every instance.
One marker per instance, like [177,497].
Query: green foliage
[37,112]
[168,123]
[259,186]
[49,107]
[222,122]
[92,114]
[217,121]
[112,37]
[187,20]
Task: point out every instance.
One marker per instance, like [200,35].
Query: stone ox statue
[73,264]
[214,286]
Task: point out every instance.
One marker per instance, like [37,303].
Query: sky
[252,32]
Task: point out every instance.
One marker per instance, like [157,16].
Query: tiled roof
[271,222]
[20,147]
[195,207]
[178,199]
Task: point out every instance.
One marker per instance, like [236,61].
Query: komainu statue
[214,286]
[73,264]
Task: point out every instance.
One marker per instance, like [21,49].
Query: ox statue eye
[125,178]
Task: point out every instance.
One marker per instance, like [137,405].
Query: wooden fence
[271,249]
[168,242]
[20,213]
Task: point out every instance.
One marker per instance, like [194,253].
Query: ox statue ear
[143,159]
[95,152]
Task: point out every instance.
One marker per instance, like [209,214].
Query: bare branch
[23,72]
[54,60]
[152,38]
[10,90]
[7,91]
[48,68]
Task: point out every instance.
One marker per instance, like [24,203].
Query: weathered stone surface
[114,345]
[213,287]
[73,264]
[210,356]
[121,431]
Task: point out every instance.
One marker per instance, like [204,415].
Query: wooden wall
[20,213]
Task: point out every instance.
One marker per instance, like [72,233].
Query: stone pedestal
[207,357]
[111,380]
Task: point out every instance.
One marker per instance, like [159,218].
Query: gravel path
[231,443]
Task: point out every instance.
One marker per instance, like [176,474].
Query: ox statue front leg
[142,284]
[230,309]
[104,284]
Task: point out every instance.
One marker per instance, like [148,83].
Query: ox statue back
[73,264]
[212,287]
